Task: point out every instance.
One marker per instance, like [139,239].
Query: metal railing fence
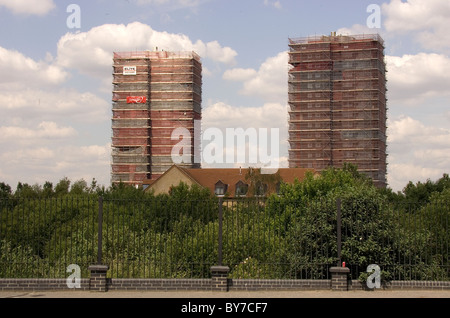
[255,237]
[39,238]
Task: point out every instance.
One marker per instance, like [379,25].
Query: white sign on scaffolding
[129,70]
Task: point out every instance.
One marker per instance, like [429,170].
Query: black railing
[255,237]
[40,238]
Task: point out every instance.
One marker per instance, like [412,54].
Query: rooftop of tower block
[156,55]
[335,38]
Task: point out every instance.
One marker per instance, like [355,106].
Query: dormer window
[260,189]
[220,188]
[241,189]
[278,187]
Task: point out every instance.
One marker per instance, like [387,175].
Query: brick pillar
[97,281]
[339,278]
[219,278]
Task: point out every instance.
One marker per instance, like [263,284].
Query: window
[220,188]
[241,189]
[278,187]
[260,188]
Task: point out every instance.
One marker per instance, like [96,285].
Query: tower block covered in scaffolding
[337,99]
[154,94]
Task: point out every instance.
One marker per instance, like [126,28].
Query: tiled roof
[208,177]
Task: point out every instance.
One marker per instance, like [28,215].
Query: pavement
[228,295]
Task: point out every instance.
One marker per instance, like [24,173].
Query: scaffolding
[154,92]
[337,98]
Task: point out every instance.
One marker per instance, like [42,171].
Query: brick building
[154,93]
[337,99]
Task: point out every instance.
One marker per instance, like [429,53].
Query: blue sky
[47,68]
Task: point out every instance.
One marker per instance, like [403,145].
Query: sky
[56,82]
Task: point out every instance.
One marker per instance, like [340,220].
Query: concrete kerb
[230,294]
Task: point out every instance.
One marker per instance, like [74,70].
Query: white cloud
[41,163]
[221,115]
[29,7]
[93,161]
[152,2]
[359,29]
[416,151]
[91,52]
[269,82]
[214,51]
[172,3]
[414,15]
[38,123]
[270,116]
[16,68]
[43,126]
[239,74]
[426,20]
[61,104]
[400,174]
[413,78]
[45,130]
[275,4]
[32,88]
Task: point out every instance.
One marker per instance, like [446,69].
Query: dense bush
[373,230]
[290,235]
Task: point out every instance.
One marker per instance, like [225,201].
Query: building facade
[337,99]
[227,182]
[154,93]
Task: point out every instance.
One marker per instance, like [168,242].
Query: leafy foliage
[45,228]
[372,232]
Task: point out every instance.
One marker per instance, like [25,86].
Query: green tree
[79,187]
[18,261]
[5,191]
[421,192]
[47,190]
[62,187]
[260,184]
[26,191]
[309,209]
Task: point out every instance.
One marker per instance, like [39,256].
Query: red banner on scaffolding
[136,100]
